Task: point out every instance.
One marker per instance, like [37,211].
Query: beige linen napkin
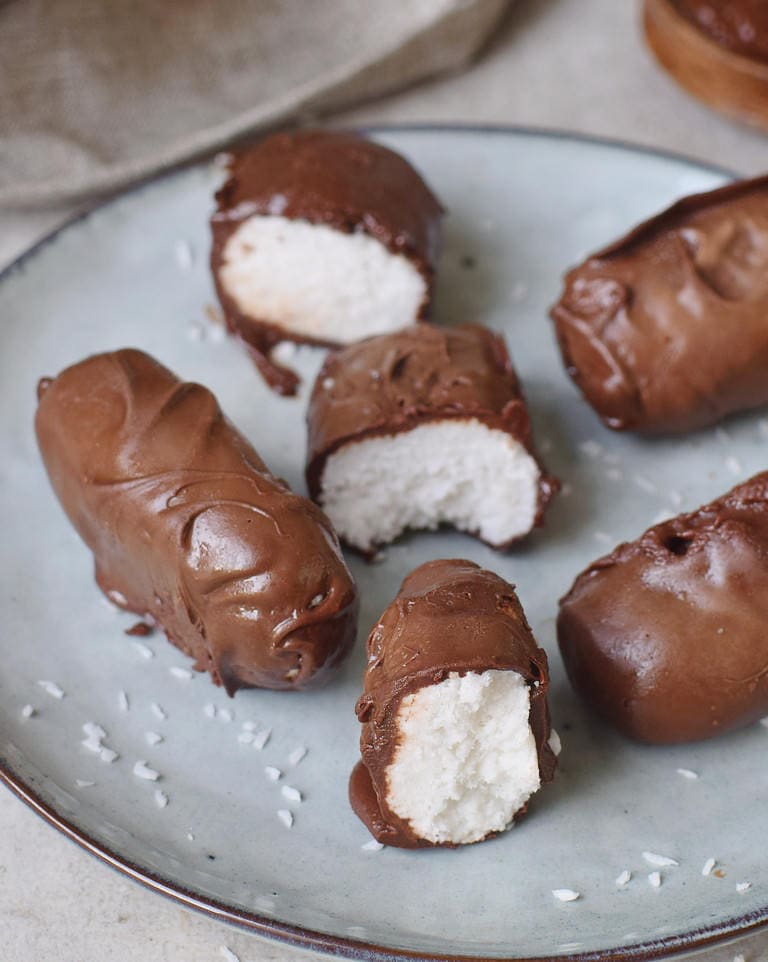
[95,93]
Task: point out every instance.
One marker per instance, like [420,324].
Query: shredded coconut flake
[144,650]
[249,726]
[592,449]
[190,836]
[654,880]
[297,755]
[739,958]
[708,866]
[117,598]
[566,895]
[660,861]
[245,738]
[108,755]
[623,878]
[161,799]
[184,254]
[228,954]
[142,770]
[291,794]
[184,674]
[554,742]
[688,773]
[27,711]
[92,730]
[225,715]
[210,710]
[285,817]
[372,846]
[159,711]
[51,688]
[645,484]
[122,701]
[742,887]
[153,738]
[272,773]
[84,783]
[261,738]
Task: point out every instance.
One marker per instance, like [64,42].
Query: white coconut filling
[466,759]
[462,472]
[318,282]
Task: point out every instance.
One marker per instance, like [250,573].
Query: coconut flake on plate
[142,770]
[144,650]
[372,846]
[659,861]
[183,674]
[153,738]
[261,738]
[285,817]
[709,866]
[623,878]
[52,689]
[291,794]
[566,895]
[654,880]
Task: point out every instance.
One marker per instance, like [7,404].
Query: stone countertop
[568,64]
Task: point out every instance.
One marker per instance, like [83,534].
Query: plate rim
[299,936]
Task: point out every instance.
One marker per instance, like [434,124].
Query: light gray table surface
[568,64]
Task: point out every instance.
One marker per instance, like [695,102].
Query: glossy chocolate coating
[739,25]
[449,616]
[187,524]
[666,637]
[394,382]
[327,177]
[664,331]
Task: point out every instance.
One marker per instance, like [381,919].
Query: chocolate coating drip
[324,177]
[394,382]
[739,25]
[449,616]
[666,637]
[187,524]
[664,330]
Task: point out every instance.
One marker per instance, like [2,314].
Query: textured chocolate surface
[664,330]
[394,382]
[666,637]
[739,25]
[449,616]
[187,524]
[325,177]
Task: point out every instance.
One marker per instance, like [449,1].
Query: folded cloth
[95,94]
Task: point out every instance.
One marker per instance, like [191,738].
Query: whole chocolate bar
[321,237]
[456,734]
[664,331]
[666,637]
[187,524]
[422,427]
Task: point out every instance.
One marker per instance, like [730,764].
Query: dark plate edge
[295,935]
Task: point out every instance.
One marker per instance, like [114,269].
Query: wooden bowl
[726,81]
